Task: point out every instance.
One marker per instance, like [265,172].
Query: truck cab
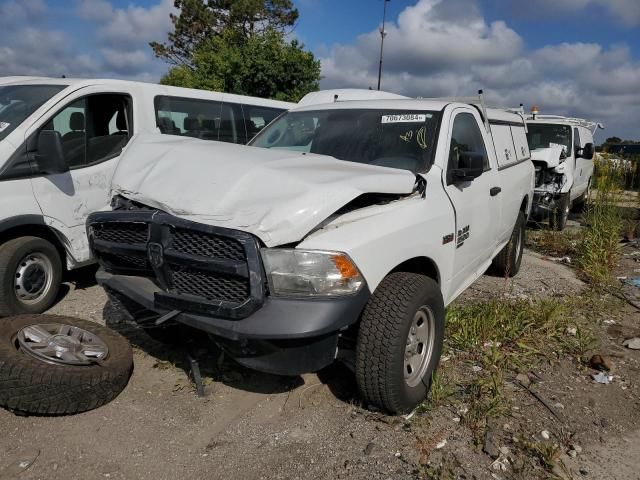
[562,150]
[341,232]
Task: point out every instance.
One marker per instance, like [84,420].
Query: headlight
[310,272]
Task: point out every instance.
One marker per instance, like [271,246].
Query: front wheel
[560,214]
[400,342]
[30,276]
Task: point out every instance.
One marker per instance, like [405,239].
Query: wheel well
[421,265]
[525,204]
[30,230]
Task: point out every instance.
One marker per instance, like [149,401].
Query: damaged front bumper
[285,336]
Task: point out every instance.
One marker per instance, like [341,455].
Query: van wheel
[559,216]
[53,365]
[580,203]
[30,276]
[507,262]
[400,342]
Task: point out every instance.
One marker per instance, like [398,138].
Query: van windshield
[545,135]
[390,138]
[17,102]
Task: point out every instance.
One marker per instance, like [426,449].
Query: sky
[569,57]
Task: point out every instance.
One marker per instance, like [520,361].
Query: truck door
[476,203]
[94,129]
[578,174]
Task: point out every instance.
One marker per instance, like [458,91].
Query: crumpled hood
[279,196]
[550,156]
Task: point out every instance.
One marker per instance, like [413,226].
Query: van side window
[256,118]
[466,137]
[93,129]
[577,142]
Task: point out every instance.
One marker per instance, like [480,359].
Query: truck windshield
[17,102]
[390,138]
[542,135]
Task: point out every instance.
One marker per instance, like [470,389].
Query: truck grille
[195,265]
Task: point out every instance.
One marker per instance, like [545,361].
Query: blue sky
[575,57]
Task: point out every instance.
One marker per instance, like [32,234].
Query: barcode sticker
[405,118]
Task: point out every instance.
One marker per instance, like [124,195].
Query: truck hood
[550,156]
[277,195]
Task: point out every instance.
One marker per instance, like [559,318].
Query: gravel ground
[256,426]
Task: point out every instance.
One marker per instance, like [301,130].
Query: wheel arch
[31,226]
[420,265]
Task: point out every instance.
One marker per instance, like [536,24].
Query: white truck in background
[344,236]
[60,141]
[562,151]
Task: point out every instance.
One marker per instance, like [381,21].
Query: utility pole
[382,35]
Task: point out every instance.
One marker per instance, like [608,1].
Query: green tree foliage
[613,140]
[200,19]
[263,65]
[238,46]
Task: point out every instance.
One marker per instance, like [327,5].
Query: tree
[200,20]
[264,65]
[613,140]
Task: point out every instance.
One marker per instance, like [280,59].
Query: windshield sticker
[4,126]
[407,136]
[405,118]
[421,138]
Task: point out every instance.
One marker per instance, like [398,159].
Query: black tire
[31,386]
[382,338]
[17,252]
[580,204]
[558,216]
[507,262]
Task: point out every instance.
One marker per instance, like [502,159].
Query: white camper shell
[60,141]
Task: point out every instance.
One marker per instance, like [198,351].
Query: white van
[60,141]
[562,151]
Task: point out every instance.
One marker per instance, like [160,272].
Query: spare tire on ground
[54,365]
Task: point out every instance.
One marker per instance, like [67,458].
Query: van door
[578,173]
[476,203]
[94,130]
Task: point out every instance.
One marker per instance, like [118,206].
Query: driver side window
[93,129]
[466,137]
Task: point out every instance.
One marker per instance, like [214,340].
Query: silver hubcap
[33,278]
[62,344]
[519,243]
[419,349]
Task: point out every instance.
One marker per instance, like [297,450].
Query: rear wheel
[559,215]
[507,262]
[30,275]
[400,342]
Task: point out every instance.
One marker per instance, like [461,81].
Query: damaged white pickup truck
[562,152]
[344,236]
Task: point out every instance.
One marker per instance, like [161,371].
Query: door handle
[495,191]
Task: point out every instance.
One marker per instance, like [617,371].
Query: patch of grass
[547,453]
[598,249]
[554,243]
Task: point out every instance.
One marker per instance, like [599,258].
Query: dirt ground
[255,426]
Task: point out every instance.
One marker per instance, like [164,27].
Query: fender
[20,220]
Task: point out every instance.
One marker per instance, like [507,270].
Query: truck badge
[155,252]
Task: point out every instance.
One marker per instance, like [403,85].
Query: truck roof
[161,89]
[405,103]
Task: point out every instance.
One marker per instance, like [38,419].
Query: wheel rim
[519,242]
[33,278]
[419,348]
[62,344]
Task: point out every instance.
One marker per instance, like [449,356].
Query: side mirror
[587,152]
[50,156]
[470,167]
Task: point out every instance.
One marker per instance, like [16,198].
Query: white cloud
[627,12]
[431,52]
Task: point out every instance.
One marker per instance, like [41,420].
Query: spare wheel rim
[60,344]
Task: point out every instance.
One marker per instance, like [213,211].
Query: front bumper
[286,336]
[544,204]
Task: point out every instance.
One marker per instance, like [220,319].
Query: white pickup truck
[562,152]
[344,236]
